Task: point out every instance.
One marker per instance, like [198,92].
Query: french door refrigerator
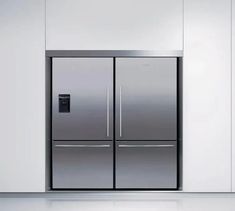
[114,123]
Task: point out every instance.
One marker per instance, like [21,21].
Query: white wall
[149,25]
[114,25]
[233,95]
[22,85]
[207,96]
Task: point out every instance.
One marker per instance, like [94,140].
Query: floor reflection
[117,202]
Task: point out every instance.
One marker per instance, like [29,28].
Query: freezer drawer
[146,98]
[82,91]
[146,164]
[82,164]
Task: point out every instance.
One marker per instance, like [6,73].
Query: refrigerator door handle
[120,111]
[82,145]
[146,145]
[107,114]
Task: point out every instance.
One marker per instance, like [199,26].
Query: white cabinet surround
[233,95]
[207,96]
[29,27]
[114,25]
[22,107]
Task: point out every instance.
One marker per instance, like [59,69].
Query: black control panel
[64,103]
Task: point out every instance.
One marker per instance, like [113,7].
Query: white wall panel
[207,96]
[233,95]
[114,25]
[22,85]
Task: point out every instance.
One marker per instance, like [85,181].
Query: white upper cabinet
[22,85]
[207,96]
[114,25]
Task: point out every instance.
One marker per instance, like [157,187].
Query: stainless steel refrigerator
[114,123]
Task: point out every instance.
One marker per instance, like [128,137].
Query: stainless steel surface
[146,167]
[82,167]
[145,145]
[108,100]
[88,81]
[120,111]
[146,98]
[113,53]
[83,145]
[146,122]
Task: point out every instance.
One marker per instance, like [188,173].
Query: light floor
[117,202]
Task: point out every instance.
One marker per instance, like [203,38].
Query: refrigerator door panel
[82,164]
[82,98]
[146,98]
[146,164]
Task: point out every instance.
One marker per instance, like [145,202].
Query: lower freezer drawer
[146,164]
[82,164]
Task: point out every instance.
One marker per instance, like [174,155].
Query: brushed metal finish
[147,98]
[145,145]
[120,111]
[113,53]
[107,112]
[82,145]
[146,167]
[83,167]
[88,81]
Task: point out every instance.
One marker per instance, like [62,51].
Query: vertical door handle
[120,111]
[107,113]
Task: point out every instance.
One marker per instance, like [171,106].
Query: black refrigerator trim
[114,120]
[48,121]
[179,122]
[49,90]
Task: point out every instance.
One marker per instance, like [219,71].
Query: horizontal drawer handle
[146,145]
[83,145]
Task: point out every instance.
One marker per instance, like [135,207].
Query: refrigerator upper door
[82,98]
[146,98]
